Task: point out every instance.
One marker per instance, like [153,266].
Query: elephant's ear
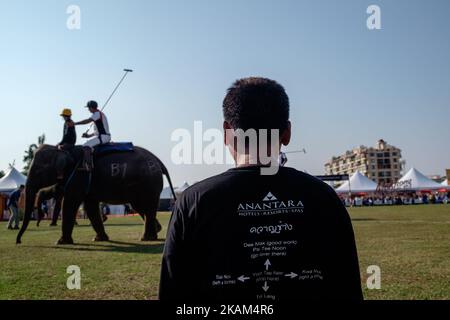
[60,164]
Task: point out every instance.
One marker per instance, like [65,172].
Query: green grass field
[411,245]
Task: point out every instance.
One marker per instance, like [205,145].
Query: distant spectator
[106,210]
[432,199]
[13,206]
[45,208]
[42,213]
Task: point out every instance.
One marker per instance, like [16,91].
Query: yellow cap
[66,113]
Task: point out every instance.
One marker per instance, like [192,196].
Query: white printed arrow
[292,275]
[267,264]
[243,278]
[265,287]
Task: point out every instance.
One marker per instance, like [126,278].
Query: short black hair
[92,104]
[257,103]
[21,186]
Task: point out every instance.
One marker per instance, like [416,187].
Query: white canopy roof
[166,193]
[358,183]
[12,180]
[445,184]
[415,180]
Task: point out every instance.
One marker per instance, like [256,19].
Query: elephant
[53,192]
[134,177]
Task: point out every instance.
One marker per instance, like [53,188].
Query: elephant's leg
[151,224]
[56,211]
[70,209]
[38,207]
[158,225]
[150,227]
[40,216]
[92,209]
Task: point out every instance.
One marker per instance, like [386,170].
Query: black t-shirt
[246,236]
[69,134]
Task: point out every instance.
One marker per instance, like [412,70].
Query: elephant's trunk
[30,195]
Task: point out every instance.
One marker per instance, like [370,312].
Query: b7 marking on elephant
[118,169]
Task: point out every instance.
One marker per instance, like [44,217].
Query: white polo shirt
[101,123]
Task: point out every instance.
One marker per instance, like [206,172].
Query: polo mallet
[112,93]
[297,151]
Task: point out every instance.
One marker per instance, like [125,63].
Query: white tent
[445,184]
[12,180]
[358,183]
[166,193]
[414,180]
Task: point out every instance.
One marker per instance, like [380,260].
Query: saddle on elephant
[113,147]
[77,152]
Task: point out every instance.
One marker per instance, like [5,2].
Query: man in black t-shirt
[245,235]
[69,134]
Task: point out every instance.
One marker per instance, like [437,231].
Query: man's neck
[247,160]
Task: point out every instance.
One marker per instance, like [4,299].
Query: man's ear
[226,135]
[229,139]
[286,135]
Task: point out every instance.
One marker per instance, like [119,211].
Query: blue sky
[347,85]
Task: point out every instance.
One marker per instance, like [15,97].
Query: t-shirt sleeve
[174,262]
[95,116]
[346,279]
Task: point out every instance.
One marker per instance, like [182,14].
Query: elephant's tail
[166,173]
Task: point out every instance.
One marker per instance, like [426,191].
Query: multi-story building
[382,163]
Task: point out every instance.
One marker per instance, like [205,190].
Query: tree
[29,153]
[2,174]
